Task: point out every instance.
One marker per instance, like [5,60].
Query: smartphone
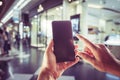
[63,41]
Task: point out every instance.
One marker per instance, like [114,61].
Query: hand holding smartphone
[63,41]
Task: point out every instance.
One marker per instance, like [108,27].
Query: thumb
[86,57]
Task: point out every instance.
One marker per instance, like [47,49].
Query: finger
[69,64]
[76,51]
[89,44]
[76,46]
[86,41]
[50,46]
[88,51]
[87,58]
[86,48]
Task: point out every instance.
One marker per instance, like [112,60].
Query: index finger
[50,46]
[89,44]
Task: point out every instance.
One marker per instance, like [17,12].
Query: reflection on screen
[75,20]
[75,25]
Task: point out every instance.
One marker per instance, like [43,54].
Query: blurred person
[1,42]
[97,55]
[11,37]
[1,74]
[4,70]
[27,40]
[17,37]
[7,45]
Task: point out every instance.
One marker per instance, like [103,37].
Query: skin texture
[99,57]
[50,70]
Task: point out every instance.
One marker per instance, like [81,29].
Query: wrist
[46,74]
[115,69]
[118,65]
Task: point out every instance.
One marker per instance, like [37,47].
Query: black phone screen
[63,41]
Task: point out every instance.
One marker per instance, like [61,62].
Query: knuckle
[101,45]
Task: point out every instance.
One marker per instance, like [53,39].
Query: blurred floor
[23,61]
[26,61]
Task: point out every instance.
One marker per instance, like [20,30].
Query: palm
[50,62]
[58,68]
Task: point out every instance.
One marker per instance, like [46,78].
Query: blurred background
[25,30]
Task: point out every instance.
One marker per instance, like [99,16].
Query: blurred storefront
[34,21]
[97,20]
[41,30]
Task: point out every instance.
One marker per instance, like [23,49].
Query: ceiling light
[69,0]
[57,9]
[24,4]
[95,6]
[77,2]
[1,3]
[40,8]
[20,4]
[35,16]
[8,16]
[61,7]
[1,24]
